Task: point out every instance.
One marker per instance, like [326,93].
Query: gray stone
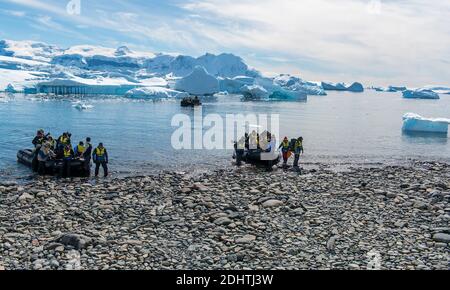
[74,240]
[441,237]
[272,203]
[245,239]
[222,221]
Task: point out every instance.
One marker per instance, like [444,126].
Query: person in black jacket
[39,138]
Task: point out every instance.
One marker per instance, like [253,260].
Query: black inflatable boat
[52,167]
[254,157]
[190,102]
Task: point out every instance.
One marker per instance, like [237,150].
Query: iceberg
[232,86]
[355,87]
[396,89]
[254,92]
[199,82]
[155,93]
[416,123]
[293,83]
[81,106]
[333,86]
[10,89]
[420,94]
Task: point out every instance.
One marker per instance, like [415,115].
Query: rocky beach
[383,217]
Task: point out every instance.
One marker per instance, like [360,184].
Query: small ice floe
[81,106]
[416,123]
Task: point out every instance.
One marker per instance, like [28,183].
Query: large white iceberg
[420,94]
[416,123]
[199,82]
[155,93]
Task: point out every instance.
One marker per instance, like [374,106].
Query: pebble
[245,239]
[272,203]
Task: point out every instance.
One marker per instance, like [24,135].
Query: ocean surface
[341,128]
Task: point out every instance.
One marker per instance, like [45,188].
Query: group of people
[47,148]
[266,142]
[288,147]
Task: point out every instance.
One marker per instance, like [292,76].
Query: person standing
[68,155]
[87,156]
[285,149]
[100,157]
[298,149]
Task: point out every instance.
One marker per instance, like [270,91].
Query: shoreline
[231,218]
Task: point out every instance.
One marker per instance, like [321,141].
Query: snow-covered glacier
[35,67]
[415,123]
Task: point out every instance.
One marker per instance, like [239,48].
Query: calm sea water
[340,128]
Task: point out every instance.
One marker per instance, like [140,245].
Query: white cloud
[15,13]
[405,40]
[398,41]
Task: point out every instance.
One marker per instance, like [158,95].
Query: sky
[376,42]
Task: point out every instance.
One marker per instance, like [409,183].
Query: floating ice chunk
[81,106]
[416,123]
[438,89]
[254,92]
[333,86]
[356,88]
[396,89]
[379,89]
[155,93]
[199,82]
[420,94]
[293,83]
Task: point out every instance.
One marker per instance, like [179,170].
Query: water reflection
[425,137]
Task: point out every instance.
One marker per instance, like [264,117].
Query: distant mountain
[124,60]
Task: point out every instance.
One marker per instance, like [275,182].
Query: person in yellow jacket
[68,155]
[285,149]
[79,149]
[298,149]
[100,157]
